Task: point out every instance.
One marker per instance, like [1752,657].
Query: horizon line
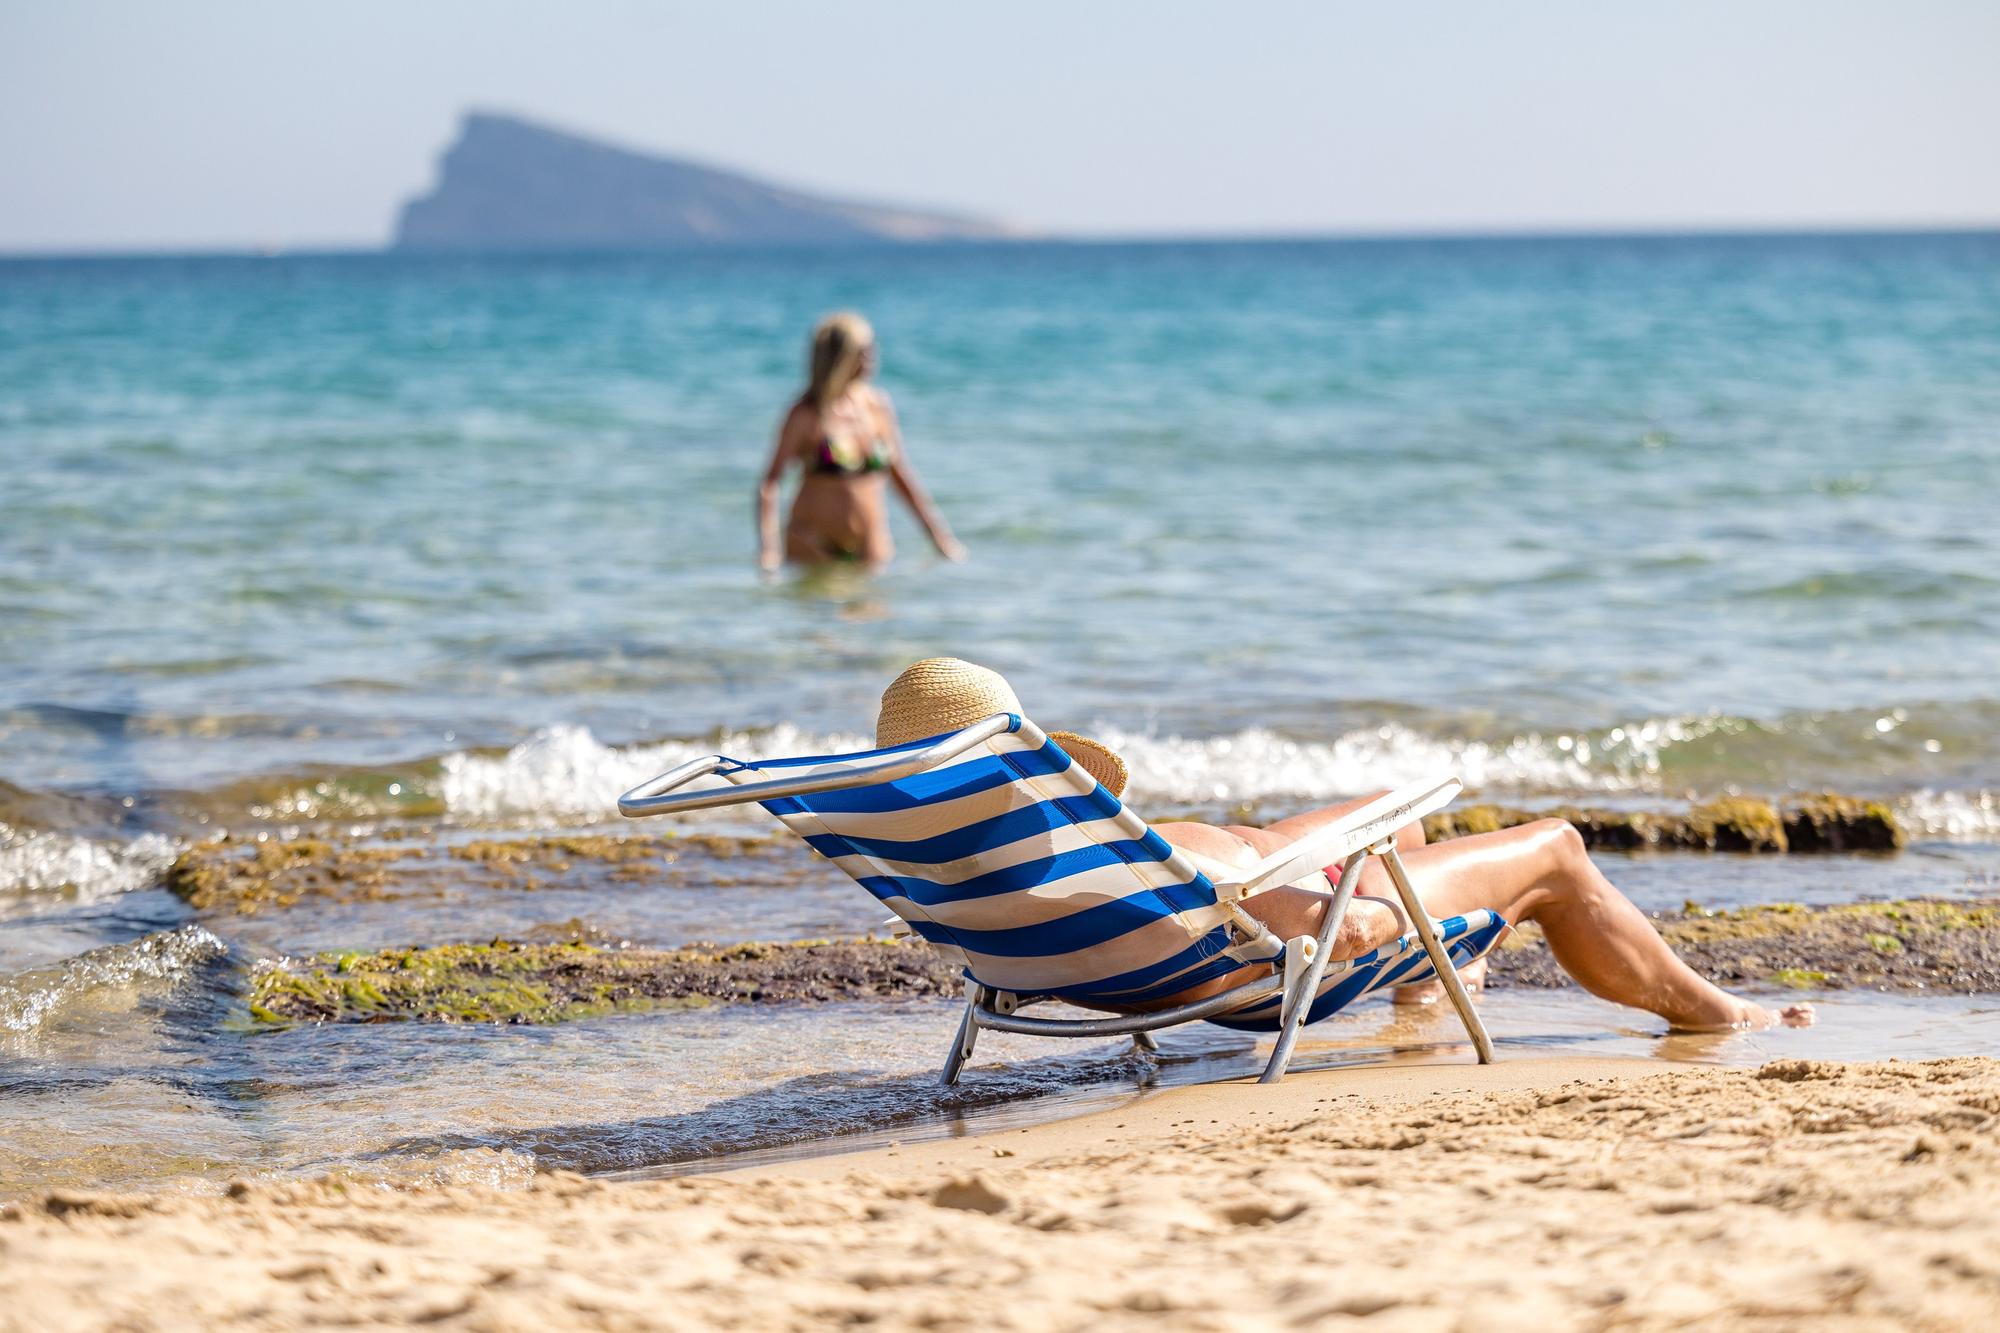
[1552,232]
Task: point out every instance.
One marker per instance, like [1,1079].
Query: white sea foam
[1258,765]
[29,1000]
[42,862]
[567,772]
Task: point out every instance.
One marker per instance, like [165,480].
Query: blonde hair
[837,346]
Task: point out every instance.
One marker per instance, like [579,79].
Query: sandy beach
[1532,1193]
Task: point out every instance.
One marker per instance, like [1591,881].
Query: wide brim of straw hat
[1095,758]
[941,694]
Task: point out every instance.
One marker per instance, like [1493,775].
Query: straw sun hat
[941,694]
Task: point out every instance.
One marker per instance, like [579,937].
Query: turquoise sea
[349,540]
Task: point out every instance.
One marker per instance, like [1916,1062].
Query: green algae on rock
[1733,824]
[507,982]
[1822,823]
[562,851]
[1737,824]
[249,875]
[1912,946]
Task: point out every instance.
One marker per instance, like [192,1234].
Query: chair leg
[1145,1041]
[1454,985]
[962,1044]
[1298,1000]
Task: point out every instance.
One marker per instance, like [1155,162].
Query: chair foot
[1305,963]
[961,1044]
[1440,956]
[1145,1041]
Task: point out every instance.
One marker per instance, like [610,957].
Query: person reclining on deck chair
[1536,872]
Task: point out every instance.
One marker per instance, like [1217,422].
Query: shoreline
[1550,1192]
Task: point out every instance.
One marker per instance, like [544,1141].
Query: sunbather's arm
[912,490]
[768,550]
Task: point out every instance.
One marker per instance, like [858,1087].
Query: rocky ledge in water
[507,982]
[247,875]
[1913,946]
[1828,822]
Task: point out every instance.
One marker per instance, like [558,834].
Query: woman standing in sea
[841,434]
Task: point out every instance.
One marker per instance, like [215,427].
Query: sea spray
[46,862]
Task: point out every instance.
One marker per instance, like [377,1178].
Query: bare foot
[1791,1016]
[1427,992]
[1750,1017]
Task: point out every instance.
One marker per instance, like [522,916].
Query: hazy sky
[200,124]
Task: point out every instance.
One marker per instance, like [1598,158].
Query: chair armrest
[659,797]
[1360,829]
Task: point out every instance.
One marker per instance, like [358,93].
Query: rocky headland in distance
[508,184]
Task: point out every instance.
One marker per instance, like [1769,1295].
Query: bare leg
[1540,873]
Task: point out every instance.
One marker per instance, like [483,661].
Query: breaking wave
[567,773]
[1257,765]
[30,1001]
[62,863]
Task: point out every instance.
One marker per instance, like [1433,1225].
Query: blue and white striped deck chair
[998,850]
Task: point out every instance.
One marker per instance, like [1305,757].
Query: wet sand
[1533,1193]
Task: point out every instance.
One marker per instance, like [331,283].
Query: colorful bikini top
[844,456]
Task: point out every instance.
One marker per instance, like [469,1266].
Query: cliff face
[507,184]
